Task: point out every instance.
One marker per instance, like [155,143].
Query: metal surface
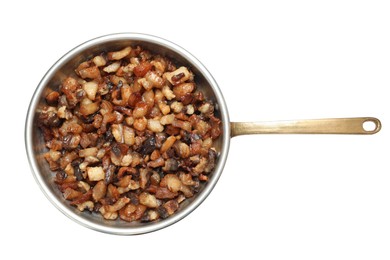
[311,126]
[35,146]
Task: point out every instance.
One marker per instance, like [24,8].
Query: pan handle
[356,125]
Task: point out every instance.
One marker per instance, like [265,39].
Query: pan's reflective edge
[64,66]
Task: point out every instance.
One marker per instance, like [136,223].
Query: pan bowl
[35,145]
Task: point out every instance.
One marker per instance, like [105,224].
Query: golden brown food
[130,137]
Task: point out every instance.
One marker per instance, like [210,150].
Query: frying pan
[35,146]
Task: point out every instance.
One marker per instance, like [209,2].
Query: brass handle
[312,126]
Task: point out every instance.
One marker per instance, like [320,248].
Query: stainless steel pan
[35,147]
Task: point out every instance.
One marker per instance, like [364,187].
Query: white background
[280,197]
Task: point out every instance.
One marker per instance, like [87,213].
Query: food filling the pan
[130,136]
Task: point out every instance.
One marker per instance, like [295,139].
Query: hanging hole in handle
[369,126]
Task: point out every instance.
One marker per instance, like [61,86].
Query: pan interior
[35,144]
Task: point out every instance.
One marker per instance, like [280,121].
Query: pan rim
[200,197]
